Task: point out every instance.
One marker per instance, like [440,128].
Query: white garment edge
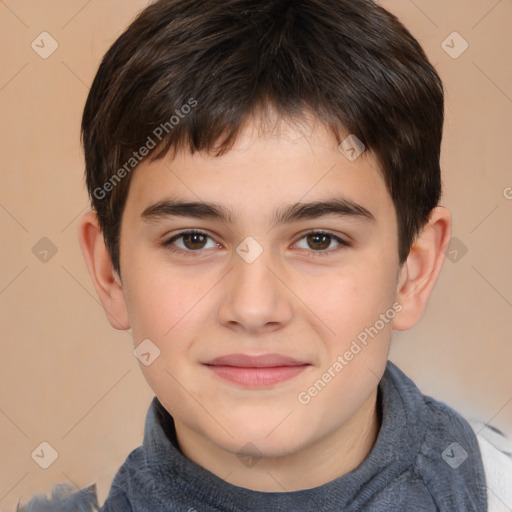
[496,451]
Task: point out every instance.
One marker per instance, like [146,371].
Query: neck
[333,456]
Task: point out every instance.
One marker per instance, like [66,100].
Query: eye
[320,242]
[190,241]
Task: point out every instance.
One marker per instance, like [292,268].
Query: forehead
[263,171]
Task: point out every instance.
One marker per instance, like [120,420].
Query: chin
[263,439]
[284,446]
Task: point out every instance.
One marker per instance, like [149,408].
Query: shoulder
[117,501]
[496,451]
[446,458]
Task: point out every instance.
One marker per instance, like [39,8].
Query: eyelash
[168,244]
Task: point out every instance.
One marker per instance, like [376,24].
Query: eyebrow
[289,213]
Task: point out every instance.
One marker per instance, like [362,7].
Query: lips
[256,371]
[248,361]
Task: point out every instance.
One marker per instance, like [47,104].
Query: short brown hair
[350,63]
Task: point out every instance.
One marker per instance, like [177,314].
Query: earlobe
[421,270]
[105,279]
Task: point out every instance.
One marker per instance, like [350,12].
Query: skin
[291,300]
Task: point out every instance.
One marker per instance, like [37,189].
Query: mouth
[256,371]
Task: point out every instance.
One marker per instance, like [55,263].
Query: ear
[420,271]
[105,279]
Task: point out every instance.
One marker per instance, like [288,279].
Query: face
[272,314]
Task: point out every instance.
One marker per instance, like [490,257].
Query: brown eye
[319,241]
[190,242]
[194,241]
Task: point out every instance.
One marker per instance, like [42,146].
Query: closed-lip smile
[256,371]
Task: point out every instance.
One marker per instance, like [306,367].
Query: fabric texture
[426,458]
[496,450]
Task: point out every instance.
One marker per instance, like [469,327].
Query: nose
[255,297]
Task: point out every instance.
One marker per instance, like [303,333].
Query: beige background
[69,379]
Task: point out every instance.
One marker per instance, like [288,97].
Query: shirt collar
[402,426]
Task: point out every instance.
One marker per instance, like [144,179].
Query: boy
[265,182]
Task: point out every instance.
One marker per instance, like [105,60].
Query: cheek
[356,312]
[160,301]
[349,301]
[166,307]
